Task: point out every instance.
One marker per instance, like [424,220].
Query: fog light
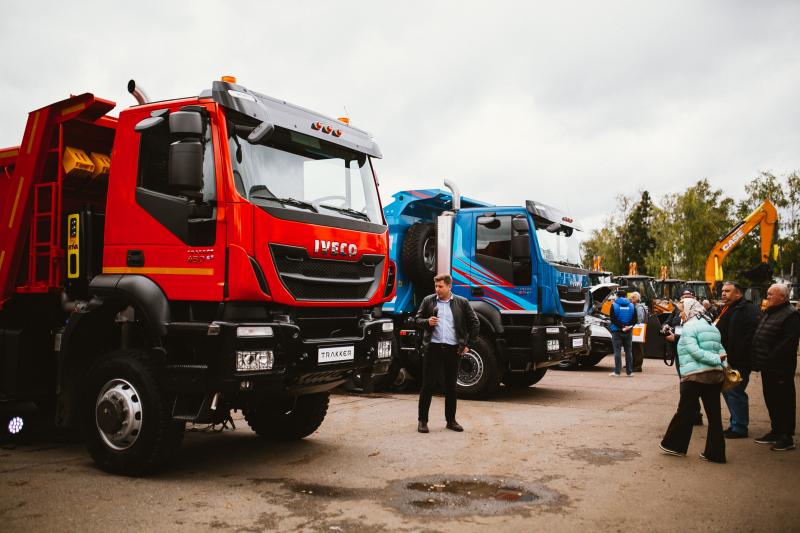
[553,345]
[254,331]
[387,326]
[555,331]
[384,349]
[250,361]
[15,425]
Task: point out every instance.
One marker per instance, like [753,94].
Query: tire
[123,393]
[419,254]
[289,419]
[523,381]
[592,359]
[478,376]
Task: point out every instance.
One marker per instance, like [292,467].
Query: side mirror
[489,222]
[188,123]
[186,165]
[261,132]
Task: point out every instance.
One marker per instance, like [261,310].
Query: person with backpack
[623,317]
[701,357]
[642,315]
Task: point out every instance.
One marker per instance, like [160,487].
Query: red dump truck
[192,257]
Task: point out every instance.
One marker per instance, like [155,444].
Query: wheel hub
[429,254]
[470,369]
[118,414]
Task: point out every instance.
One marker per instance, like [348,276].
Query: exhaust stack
[137,93]
[444,232]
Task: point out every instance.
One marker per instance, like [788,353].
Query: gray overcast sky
[570,103]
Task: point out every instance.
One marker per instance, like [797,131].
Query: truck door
[501,267]
[162,221]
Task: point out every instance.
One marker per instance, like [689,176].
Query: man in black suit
[449,325]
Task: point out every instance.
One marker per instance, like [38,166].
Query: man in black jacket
[775,355]
[737,323]
[449,326]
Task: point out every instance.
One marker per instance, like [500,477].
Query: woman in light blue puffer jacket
[700,356]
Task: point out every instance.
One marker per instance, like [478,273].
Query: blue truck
[518,266]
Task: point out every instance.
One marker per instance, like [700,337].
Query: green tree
[637,242]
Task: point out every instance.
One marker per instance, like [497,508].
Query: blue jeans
[621,340]
[736,398]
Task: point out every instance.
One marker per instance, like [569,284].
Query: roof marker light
[327,129]
[316,126]
[229,79]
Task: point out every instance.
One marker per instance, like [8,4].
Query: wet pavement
[576,452]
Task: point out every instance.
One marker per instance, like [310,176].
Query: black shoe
[769,438]
[455,426]
[422,427]
[784,444]
[704,458]
[731,434]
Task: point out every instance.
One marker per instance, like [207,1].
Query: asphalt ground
[577,452]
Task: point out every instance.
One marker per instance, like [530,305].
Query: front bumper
[552,344]
[296,367]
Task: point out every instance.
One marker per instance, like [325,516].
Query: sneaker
[629,375]
[731,434]
[704,458]
[769,438]
[671,452]
[784,444]
[614,375]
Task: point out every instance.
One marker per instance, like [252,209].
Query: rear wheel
[478,375]
[127,417]
[288,418]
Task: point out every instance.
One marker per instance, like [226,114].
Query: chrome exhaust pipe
[456,194]
[137,93]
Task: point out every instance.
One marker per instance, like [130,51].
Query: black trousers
[679,432]
[440,358]
[779,395]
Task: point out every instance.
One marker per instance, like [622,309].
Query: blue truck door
[500,269]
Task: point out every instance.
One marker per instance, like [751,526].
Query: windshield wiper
[348,210]
[285,201]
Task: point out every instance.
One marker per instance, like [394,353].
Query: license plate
[577,342]
[336,354]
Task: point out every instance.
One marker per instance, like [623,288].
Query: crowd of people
[739,336]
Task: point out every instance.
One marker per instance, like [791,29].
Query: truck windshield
[291,170]
[560,247]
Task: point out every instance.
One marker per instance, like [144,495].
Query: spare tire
[419,254]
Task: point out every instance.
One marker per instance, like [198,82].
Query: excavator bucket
[760,274]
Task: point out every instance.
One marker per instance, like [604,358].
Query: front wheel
[288,418]
[127,419]
[478,375]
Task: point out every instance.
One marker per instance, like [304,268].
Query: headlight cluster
[594,321]
[251,361]
[384,349]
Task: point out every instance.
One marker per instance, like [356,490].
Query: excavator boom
[765,216]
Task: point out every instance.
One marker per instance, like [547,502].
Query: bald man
[775,356]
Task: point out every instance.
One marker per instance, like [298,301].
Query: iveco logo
[335,248]
[575,283]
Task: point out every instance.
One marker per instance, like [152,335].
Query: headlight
[250,361]
[593,320]
[387,326]
[553,345]
[254,331]
[555,331]
[384,349]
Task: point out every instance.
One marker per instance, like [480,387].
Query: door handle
[134,258]
[476,291]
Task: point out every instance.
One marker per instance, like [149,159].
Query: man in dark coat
[449,326]
[775,356]
[737,323]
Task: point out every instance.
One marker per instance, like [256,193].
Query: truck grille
[573,299]
[308,278]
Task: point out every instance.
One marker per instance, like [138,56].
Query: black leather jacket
[464,318]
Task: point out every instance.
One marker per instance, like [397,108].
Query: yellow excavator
[765,216]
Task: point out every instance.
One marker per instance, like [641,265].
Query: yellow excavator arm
[765,216]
